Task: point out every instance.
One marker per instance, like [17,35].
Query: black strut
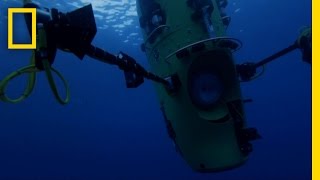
[276,55]
[127,64]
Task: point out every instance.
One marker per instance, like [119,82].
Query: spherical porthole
[205,89]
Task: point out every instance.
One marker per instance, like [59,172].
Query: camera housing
[72,31]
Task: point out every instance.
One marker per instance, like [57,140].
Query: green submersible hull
[185,42]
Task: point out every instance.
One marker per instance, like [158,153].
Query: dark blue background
[110,132]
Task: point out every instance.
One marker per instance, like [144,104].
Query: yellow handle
[31,82]
[52,84]
[32,70]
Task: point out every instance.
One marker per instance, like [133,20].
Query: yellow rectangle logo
[33,44]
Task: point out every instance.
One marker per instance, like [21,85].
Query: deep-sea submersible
[191,56]
[185,41]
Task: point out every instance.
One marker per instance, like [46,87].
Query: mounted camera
[72,31]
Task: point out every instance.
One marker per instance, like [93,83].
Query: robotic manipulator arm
[247,71]
[73,32]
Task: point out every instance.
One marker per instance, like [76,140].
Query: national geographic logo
[33,44]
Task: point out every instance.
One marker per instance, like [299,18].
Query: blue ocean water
[110,132]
